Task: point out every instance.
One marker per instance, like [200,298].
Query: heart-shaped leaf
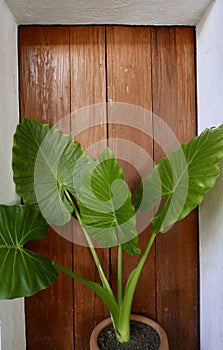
[44,160]
[22,272]
[182,178]
[105,205]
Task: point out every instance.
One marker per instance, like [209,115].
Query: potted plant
[57,179]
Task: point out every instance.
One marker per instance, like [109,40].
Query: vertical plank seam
[198,229]
[107,132]
[106,82]
[153,153]
[72,244]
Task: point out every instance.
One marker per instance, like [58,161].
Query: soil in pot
[143,337]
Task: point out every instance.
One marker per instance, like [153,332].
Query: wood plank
[129,83]
[49,91]
[173,76]
[88,88]
[45,95]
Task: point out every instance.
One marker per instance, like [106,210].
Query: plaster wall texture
[143,12]
[210,113]
[11,312]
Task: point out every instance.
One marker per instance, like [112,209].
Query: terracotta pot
[103,324]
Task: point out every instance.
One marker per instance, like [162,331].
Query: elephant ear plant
[57,179]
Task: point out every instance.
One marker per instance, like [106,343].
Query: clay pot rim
[139,318]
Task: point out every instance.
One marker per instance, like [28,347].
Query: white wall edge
[210,113]
[12,317]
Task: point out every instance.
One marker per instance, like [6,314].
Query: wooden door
[65,68]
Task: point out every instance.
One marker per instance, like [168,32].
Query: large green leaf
[44,161]
[182,178]
[105,205]
[22,272]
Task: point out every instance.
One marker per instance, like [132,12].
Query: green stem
[71,273]
[101,273]
[119,274]
[103,294]
[123,328]
[145,253]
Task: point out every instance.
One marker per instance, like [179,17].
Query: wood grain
[173,77]
[129,83]
[45,95]
[72,72]
[88,91]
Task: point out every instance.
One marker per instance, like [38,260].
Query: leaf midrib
[39,150]
[170,192]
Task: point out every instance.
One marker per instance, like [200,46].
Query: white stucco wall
[143,12]
[210,112]
[11,312]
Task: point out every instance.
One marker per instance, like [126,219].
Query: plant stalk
[101,273]
[119,275]
[102,293]
[123,327]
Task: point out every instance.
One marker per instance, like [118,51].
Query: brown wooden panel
[63,69]
[129,82]
[173,77]
[88,88]
[44,72]
[45,95]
